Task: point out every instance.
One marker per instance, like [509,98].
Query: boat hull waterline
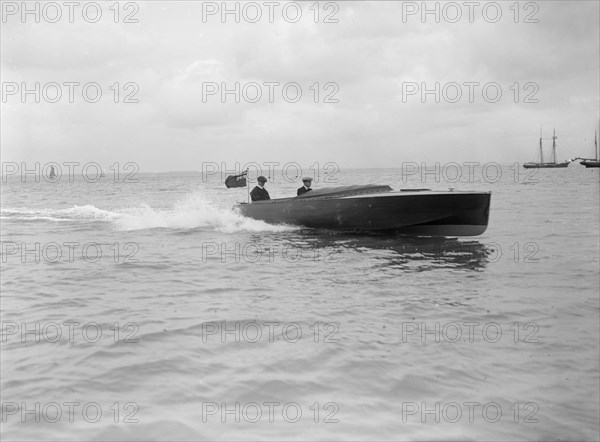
[545,165]
[426,213]
[590,163]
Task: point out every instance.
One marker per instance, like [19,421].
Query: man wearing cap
[307,181]
[259,192]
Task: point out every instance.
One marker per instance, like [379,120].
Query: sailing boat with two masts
[587,162]
[542,164]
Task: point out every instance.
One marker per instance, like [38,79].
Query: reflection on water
[390,250]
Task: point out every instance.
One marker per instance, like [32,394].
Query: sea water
[147,308]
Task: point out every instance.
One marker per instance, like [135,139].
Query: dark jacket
[303,190]
[259,194]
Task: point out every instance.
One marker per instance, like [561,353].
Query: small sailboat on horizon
[542,164]
[589,162]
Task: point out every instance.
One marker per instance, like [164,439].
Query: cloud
[364,61]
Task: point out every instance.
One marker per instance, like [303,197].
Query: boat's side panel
[431,212]
[545,166]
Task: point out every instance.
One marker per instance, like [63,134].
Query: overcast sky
[370,61]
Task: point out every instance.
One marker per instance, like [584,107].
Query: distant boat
[587,162]
[52,173]
[542,164]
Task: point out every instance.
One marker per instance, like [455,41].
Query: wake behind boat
[379,208]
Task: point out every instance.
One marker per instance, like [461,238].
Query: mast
[554,147]
[596,145]
[541,150]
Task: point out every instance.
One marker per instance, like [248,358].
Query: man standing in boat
[259,193]
[306,188]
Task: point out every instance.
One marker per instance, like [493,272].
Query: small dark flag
[236,180]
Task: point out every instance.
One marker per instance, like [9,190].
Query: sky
[381,83]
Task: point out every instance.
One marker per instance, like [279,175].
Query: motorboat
[379,208]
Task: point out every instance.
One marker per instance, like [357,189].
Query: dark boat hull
[545,165]
[416,213]
[590,163]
